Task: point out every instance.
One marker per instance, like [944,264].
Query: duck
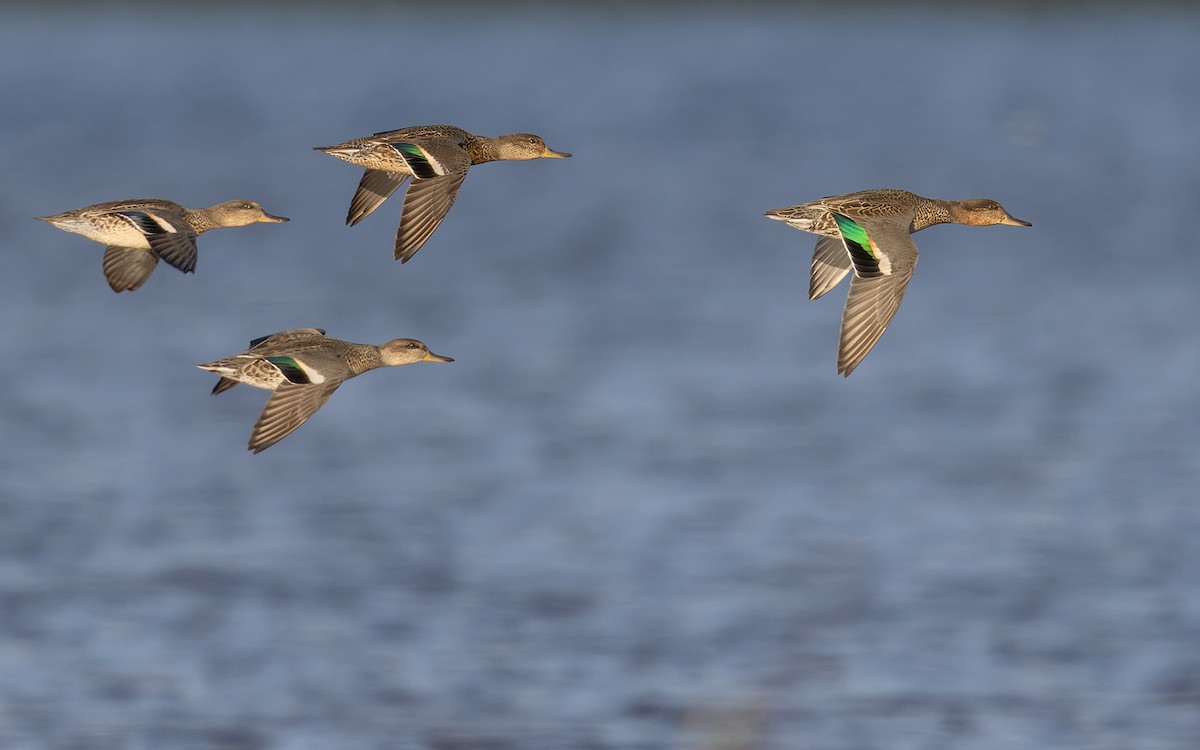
[139,231]
[437,158]
[870,231]
[302,368]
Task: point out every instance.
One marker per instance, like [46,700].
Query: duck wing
[284,338]
[223,384]
[425,205]
[830,264]
[127,268]
[375,187]
[289,406]
[884,256]
[439,166]
[168,234]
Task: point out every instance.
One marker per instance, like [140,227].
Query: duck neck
[932,212]
[481,149]
[362,357]
[201,219]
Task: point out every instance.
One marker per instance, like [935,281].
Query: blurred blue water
[641,498]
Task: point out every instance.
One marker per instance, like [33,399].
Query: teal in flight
[437,158]
[870,232]
[140,231]
[302,368]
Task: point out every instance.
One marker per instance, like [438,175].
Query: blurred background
[640,510]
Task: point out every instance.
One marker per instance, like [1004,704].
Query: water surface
[641,508]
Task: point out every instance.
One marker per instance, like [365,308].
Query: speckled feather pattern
[875,230]
[302,368]
[437,158]
[139,232]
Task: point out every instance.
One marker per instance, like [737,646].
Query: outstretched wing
[284,338]
[884,257]
[127,268]
[830,264]
[223,384]
[168,234]
[439,166]
[375,187]
[425,205]
[289,406]
[869,309]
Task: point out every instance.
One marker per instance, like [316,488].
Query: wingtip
[119,285]
[845,367]
[223,384]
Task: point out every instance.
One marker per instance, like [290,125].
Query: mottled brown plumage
[138,232]
[437,158]
[302,368]
[881,251]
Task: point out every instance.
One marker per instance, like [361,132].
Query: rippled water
[640,510]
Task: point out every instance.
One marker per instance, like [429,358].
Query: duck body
[436,158]
[138,232]
[384,151]
[869,232]
[125,223]
[302,368]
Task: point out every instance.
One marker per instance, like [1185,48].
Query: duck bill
[272,219]
[552,154]
[431,357]
[1013,221]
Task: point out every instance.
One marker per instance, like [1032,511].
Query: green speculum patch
[416,160]
[291,369]
[852,232]
[142,221]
